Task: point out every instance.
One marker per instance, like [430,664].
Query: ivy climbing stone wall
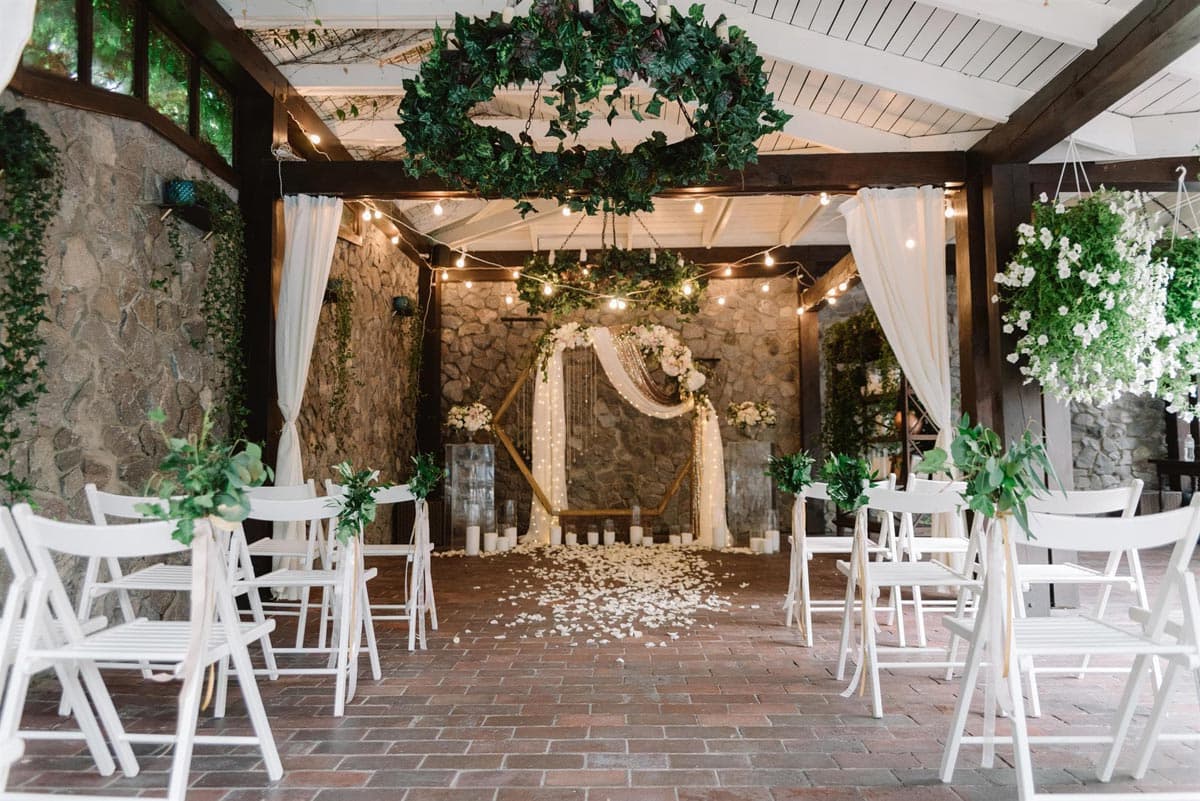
[116,347]
[754,337]
[377,426]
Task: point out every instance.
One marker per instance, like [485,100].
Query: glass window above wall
[112,45]
[168,78]
[216,116]
[54,46]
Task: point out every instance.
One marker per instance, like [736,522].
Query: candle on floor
[758,544]
[489,539]
[572,538]
[510,533]
[472,540]
[635,535]
[593,537]
[686,538]
[772,538]
[610,537]
[675,539]
[502,544]
[555,536]
[719,537]
[648,539]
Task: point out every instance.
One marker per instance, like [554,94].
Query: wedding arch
[626,355]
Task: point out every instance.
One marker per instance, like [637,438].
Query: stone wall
[753,337]
[115,346]
[1112,446]
[376,428]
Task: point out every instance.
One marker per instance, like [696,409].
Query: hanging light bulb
[550,258]
[799,310]
[612,303]
[687,288]
[516,274]
[831,301]
[621,304]
[396,239]
[653,256]
[949,210]
[314,138]
[910,243]
[366,215]
[547,289]
[377,214]
[462,259]
[769,260]
[445,275]
[765,287]
[721,301]
[438,211]
[583,254]
[566,211]
[698,207]
[728,272]
[467,284]
[508,300]
[586,271]
[824,198]
[842,287]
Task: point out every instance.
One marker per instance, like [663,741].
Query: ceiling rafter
[460,235]
[802,213]
[714,226]
[1080,23]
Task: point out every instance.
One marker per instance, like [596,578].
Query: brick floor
[737,712]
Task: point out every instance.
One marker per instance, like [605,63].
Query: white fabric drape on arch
[310,235]
[549,441]
[907,288]
[14,33]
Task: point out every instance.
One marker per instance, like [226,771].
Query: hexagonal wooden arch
[540,494]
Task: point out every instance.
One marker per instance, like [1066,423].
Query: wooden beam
[1148,175]
[362,14]
[786,175]
[1145,42]
[1075,22]
[459,235]
[715,225]
[804,211]
[845,270]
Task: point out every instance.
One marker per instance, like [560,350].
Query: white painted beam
[714,226]
[1109,133]
[839,134]
[1075,22]
[377,14]
[1167,135]
[803,213]
[1187,65]
[1116,136]
[460,235]
[352,78]
[933,84]
[625,130]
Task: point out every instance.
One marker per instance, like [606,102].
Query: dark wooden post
[429,406]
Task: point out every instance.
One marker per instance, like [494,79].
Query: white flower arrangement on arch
[749,416]
[472,417]
[1087,298]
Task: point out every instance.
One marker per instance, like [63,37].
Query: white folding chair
[342,580]
[869,578]
[416,552]
[1077,636]
[1117,500]
[53,638]
[955,542]
[799,600]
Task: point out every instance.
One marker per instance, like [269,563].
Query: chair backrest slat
[817,491]
[286,492]
[398,493]
[1090,502]
[287,511]
[124,541]
[884,499]
[14,548]
[1104,534]
[934,485]
[104,505]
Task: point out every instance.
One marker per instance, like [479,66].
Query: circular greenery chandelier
[560,281]
[607,55]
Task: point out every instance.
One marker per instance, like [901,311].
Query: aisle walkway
[735,712]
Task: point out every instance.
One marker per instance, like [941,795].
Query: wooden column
[810,381]
[429,403]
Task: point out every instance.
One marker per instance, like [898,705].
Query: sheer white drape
[311,226]
[549,441]
[14,33]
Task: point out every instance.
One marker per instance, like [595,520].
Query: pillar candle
[675,539]
[555,536]
[610,537]
[719,536]
[772,538]
[686,538]
[647,539]
[572,538]
[635,535]
[472,540]
[757,544]
[593,537]
[510,533]
[489,539]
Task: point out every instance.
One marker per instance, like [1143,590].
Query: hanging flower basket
[1087,298]
[1179,347]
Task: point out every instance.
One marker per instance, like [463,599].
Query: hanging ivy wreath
[30,188]
[576,63]
[1179,346]
[669,282]
[1087,299]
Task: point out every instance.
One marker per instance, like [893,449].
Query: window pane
[168,78]
[112,53]
[54,46]
[216,116]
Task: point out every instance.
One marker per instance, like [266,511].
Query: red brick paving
[738,712]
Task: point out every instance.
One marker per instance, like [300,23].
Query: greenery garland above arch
[31,182]
[576,62]
[628,275]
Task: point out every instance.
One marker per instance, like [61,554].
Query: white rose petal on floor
[613,593]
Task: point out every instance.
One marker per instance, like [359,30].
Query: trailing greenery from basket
[999,482]
[427,473]
[203,478]
[1179,347]
[589,60]
[416,343]
[792,473]
[224,295]
[357,500]
[862,385]
[30,188]
[846,476]
[343,350]
[1086,299]
[628,275]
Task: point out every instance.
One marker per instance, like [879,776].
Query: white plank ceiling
[857,76]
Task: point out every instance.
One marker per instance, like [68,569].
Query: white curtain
[14,33]
[549,441]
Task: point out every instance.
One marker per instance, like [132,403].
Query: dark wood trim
[86,32]
[809,376]
[1142,44]
[429,404]
[193,96]
[978,328]
[790,175]
[1147,175]
[816,259]
[141,53]
[67,92]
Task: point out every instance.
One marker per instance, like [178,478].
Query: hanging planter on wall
[1087,298]
[179,192]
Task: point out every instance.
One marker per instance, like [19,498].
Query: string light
[467,284]
[547,289]
[445,275]
[462,259]
[721,300]
[438,211]
[621,304]
[550,258]
[910,243]
[586,271]
[831,301]
[765,287]
[508,300]
[377,214]
[831,293]
[687,288]
[799,310]
[366,215]
[698,208]
[396,239]
[314,138]
[566,211]
[583,255]
[949,209]
[842,287]
[824,198]
[516,274]
[769,260]
[612,303]
[728,272]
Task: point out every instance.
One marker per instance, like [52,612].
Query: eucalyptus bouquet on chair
[847,477]
[427,473]
[357,500]
[203,479]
